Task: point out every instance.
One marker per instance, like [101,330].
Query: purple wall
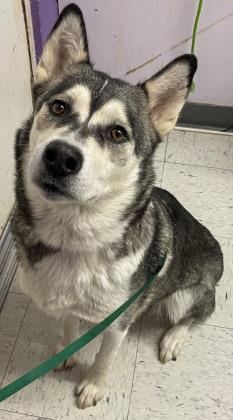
[44,15]
[125,34]
[145,35]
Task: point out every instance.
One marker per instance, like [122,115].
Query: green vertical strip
[195,33]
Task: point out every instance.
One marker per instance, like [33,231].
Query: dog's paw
[67,364]
[89,391]
[172,343]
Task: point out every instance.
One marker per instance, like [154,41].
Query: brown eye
[58,107]
[118,134]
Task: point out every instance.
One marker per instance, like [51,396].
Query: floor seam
[164,160]
[28,415]
[213,325]
[165,153]
[139,335]
[16,339]
[199,166]
[223,237]
[17,293]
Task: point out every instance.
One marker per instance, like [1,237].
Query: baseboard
[8,262]
[206,116]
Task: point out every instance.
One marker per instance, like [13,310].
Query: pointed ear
[168,90]
[66,45]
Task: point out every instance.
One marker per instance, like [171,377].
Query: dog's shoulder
[167,200]
[187,231]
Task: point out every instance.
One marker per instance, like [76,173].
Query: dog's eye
[59,107]
[118,134]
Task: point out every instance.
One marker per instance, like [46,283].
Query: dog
[89,224]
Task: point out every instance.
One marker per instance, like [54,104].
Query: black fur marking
[80,73]
[144,190]
[71,121]
[21,146]
[22,221]
[36,252]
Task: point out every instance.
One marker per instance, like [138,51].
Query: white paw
[89,391]
[67,364]
[172,343]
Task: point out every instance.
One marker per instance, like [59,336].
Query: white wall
[124,34]
[15,95]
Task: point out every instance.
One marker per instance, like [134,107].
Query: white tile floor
[198,169]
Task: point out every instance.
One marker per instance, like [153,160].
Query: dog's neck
[76,227]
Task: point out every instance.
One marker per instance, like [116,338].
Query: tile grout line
[213,325]
[223,237]
[28,415]
[139,335]
[17,336]
[198,166]
[164,160]
[17,293]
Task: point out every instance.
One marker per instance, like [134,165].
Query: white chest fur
[92,285]
[84,276]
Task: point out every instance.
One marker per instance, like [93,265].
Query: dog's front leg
[91,388]
[70,334]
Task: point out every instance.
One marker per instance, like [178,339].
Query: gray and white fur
[89,225]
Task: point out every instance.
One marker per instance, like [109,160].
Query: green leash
[77,345]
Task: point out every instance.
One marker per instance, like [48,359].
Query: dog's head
[93,135]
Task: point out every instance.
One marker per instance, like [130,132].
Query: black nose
[62,159]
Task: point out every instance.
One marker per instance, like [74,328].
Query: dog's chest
[92,285]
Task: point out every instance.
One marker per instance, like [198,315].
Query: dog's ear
[168,90]
[66,45]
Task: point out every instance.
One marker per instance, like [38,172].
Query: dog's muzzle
[60,163]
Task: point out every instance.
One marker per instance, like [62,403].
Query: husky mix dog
[89,225]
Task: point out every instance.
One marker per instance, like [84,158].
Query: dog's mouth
[51,189]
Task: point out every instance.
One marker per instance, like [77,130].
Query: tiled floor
[198,169]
